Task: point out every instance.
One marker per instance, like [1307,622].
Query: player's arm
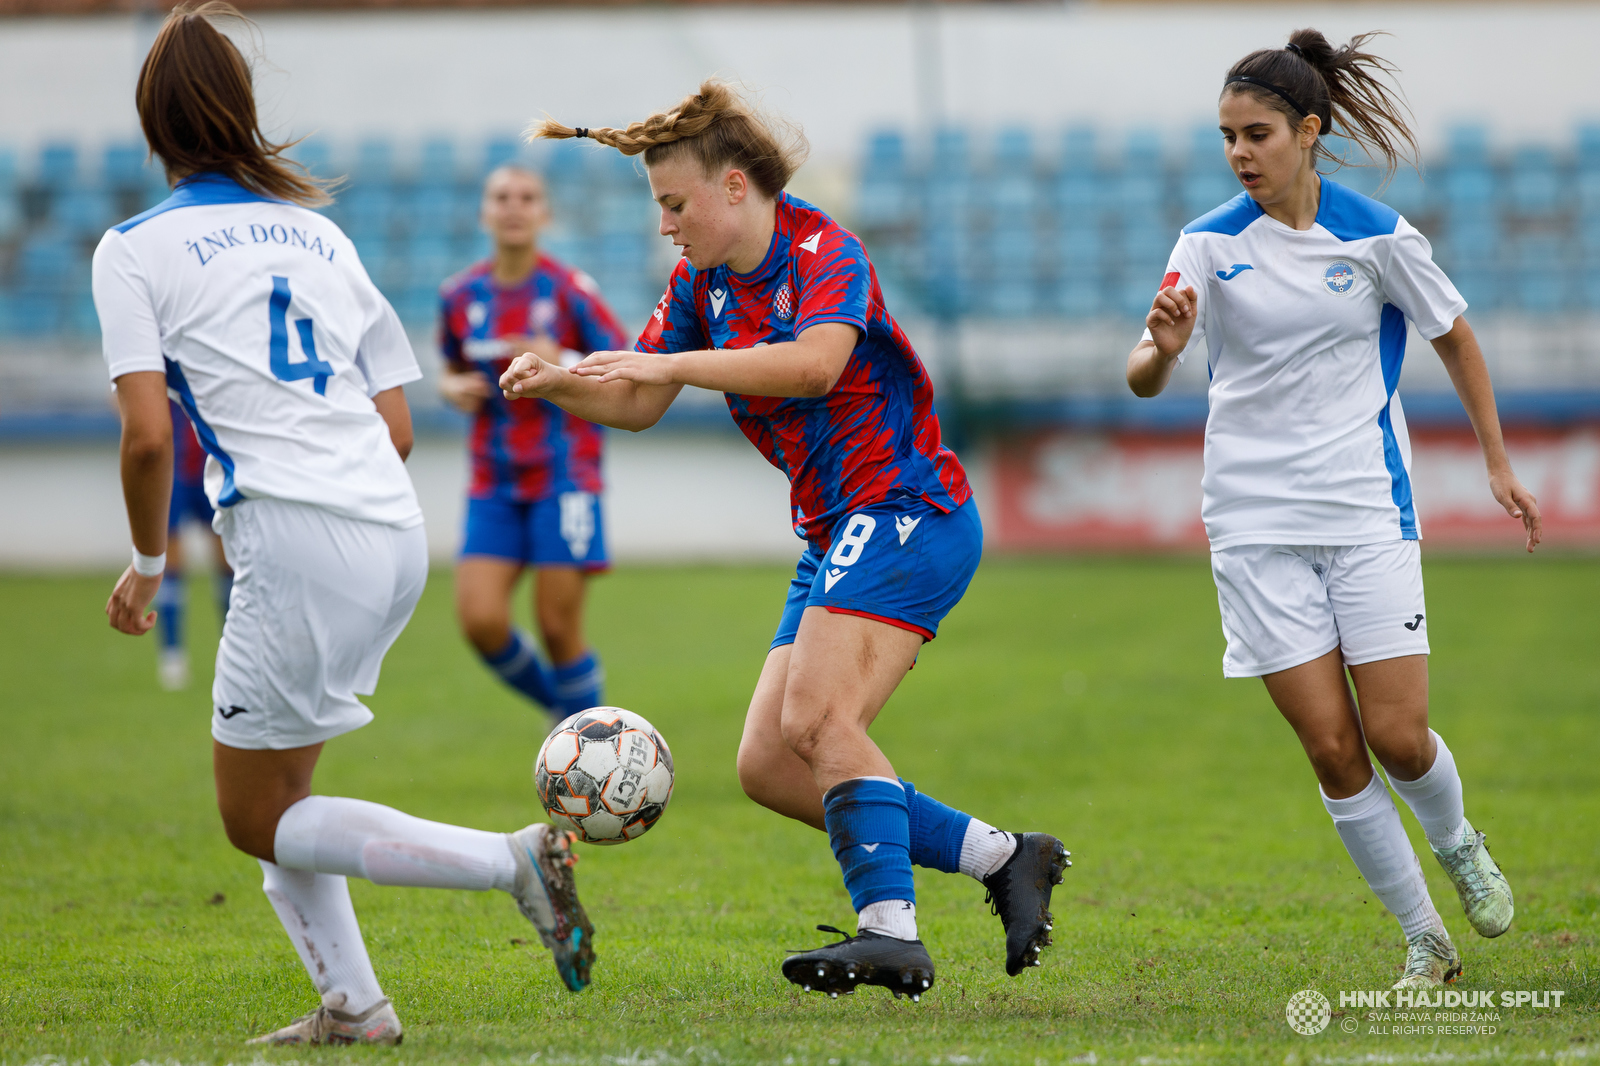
[809,365]
[620,404]
[1171,323]
[1463,359]
[146,457]
[463,388]
[396,413]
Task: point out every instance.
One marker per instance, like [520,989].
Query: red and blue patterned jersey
[188,458]
[530,449]
[875,435]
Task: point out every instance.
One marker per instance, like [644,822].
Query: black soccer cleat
[1019,892]
[901,966]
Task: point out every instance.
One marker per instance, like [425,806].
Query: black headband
[582,132]
[1271,88]
[1292,47]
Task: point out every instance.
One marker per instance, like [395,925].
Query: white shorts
[318,598]
[1283,605]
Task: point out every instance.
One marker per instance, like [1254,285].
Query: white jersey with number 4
[273,339]
[1304,333]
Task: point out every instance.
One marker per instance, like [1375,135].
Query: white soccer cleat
[1431,960]
[173,670]
[1485,894]
[378,1024]
[547,895]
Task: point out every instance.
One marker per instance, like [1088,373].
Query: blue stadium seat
[49,273]
[1012,252]
[1078,150]
[884,197]
[429,210]
[626,210]
[1140,183]
[123,165]
[313,154]
[436,165]
[367,211]
[1407,193]
[83,211]
[497,151]
[374,164]
[1010,297]
[1588,192]
[1202,191]
[10,204]
[1536,181]
[1540,273]
[58,164]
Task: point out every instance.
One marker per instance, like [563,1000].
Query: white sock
[985,849]
[333,835]
[891,917]
[1369,825]
[1435,798]
[316,913]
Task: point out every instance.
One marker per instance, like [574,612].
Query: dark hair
[197,108]
[1341,86]
[717,126]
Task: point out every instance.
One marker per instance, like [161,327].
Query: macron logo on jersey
[810,243]
[1234,271]
[718,298]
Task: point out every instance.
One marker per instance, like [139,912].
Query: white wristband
[149,565]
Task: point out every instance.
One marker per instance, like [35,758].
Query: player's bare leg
[484,587]
[577,676]
[308,845]
[1316,700]
[1393,695]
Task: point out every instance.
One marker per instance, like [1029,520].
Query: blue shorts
[567,529]
[904,562]
[189,501]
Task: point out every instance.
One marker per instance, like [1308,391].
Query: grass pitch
[1084,698]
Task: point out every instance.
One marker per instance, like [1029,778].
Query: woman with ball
[777,306]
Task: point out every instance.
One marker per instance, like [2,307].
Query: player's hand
[464,391]
[528,375]
[1171,319]
[646,368]
[129,605]
[1519,503]
[545,347]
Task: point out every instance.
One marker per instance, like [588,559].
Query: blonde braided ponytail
[716,125]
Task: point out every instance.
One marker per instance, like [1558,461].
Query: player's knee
[1405,754]
[250,833]
[1337,761]
[486,630]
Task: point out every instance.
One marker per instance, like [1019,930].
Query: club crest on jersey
[783,302]
[476,313]
[718,298]
[1339,277]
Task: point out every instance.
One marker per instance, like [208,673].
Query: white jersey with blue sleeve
[271,336]
[1304,332]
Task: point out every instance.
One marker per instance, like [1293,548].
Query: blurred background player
[777,306]
[534,499]
[1298,292]
[292,367]
[188,503]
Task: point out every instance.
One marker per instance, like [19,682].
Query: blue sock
[519,666]
[578,684]
[937,831]
[169,610]
[222,589]
[869,829]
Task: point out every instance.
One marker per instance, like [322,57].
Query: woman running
[535,493]
[1298,292]
[255,314]
[776,305]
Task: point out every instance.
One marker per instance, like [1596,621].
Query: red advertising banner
[1130,491]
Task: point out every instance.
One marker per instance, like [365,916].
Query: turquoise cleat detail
[1485,894]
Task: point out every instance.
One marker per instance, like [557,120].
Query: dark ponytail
[1342,86]
[197,108]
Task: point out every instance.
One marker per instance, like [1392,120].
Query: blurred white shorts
[1283,605]
[318,598]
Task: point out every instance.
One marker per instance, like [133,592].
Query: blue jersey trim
[200,190]
[1231,219]
[1391,353]
[1350,216]
[179,384]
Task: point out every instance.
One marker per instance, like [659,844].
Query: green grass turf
[1082,697]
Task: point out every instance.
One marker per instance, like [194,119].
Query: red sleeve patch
[1170,280]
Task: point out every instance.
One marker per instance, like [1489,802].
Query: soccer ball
[605,774]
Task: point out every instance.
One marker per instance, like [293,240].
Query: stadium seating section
[1073,224]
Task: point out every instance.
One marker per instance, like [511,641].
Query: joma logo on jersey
[1234,271]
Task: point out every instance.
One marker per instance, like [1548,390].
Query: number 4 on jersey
[278,318]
